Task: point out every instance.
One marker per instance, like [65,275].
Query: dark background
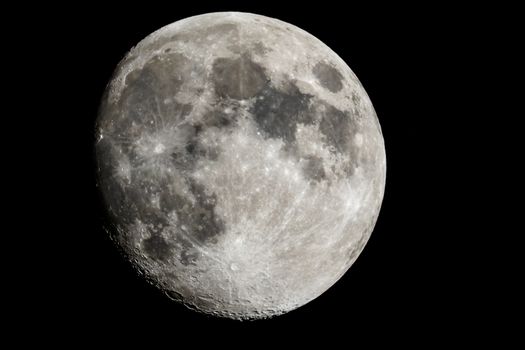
[415,275]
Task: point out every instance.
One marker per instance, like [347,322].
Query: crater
[188,257]
[328,77]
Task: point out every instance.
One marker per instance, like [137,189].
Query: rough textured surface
[241,162]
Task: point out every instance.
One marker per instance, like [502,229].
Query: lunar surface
[241,163]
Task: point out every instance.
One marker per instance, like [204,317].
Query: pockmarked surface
[241,162]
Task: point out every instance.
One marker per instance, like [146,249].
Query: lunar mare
[241,162]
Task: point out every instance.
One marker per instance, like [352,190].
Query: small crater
[191,148]
[328,77]
[188,258]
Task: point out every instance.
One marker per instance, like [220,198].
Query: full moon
[241,163]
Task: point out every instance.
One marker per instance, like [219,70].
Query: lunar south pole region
[241,163]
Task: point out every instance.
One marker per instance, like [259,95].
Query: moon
[241,163]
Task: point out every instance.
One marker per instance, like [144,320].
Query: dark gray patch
[138,202]
[217,119]
[350,166]
[141,106]
[157,248]
[162,74]
[277,112]
[260,49]
[328,77]
[184,159]
[335,126]
[313,168]
[206,224]
[198,218]
[339,129]
[238,78]
[235,48]
[193,150]
[356,99]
